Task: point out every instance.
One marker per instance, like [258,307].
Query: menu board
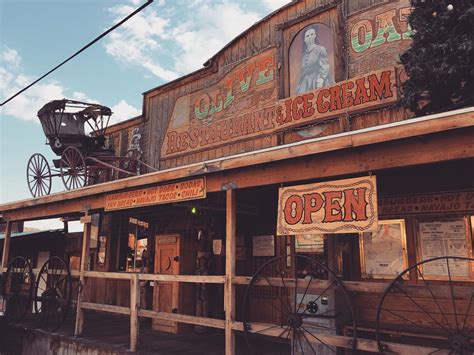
[383,252]
[444,238]
[264,245]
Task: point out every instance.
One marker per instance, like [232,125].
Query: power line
[80,50]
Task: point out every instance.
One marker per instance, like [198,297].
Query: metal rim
[18,288]
[73,168]
[53,294]
[442,321]
[301,328]
[38,175]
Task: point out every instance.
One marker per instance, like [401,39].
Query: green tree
[440,61]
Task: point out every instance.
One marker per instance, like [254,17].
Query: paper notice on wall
[444,238]
[384,250]
[264,245]
[217,246]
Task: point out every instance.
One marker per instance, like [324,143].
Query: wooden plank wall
[276,32]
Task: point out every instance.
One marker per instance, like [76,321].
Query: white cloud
[26,105]
[199,41]
[272,5]
[173,41]
[123,111]
[10,57]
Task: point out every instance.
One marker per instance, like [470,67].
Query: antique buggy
[75,131]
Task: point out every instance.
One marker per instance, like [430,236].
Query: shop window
[383,253]
[136,251]
[446,237]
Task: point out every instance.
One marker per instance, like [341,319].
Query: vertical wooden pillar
[6,246]
[86,220]
[134,306]
[229,292]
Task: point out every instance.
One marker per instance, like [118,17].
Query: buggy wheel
[73,168]
[19,285]
[38,175]
[286,312]
[53,294]
[431,314]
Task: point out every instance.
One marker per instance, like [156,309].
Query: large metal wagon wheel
[296,313]
[19,285]
[73,168]
[435,314]
[38,175]
[53,294]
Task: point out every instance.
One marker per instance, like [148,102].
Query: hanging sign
[343,206]
[179,191]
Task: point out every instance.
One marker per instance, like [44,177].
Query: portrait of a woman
[312,67]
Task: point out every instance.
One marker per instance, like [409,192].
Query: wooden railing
[134,311]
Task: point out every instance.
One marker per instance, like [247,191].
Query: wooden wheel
[435,314]
[18,292]
[53,294]
[289,312]
[73,168]
[38,175]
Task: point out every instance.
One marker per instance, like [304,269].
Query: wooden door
[165,295]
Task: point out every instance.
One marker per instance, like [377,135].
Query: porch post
[86,220]
[6,246]
[229,292]
[134,306]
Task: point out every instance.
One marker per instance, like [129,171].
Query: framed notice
[263,245]
[383,253]
[309,243]
[445,238]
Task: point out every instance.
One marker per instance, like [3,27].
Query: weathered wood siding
[274,32]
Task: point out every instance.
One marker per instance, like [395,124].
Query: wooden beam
[134,306]
[108,308]
[229,288]
[408,152]
[94,195]
[182,318]
[6,245]
[84,266]
[343,341]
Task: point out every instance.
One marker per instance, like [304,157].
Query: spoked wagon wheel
[435,314]
[73,168]
[53,294]
[19,285]
[38,175]
[288,312]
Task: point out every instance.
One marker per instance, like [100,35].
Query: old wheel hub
[295,321]
[459,342]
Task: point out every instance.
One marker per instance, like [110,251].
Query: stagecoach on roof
[75,131]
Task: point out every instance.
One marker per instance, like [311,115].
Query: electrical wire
[80,50]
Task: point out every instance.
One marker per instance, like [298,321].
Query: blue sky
[168,39]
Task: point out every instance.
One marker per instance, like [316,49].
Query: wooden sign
[179,191]
[223,112]
[343,206]
[378,36]
[446,202]
[365,92]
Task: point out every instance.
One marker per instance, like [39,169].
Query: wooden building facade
[288,141]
